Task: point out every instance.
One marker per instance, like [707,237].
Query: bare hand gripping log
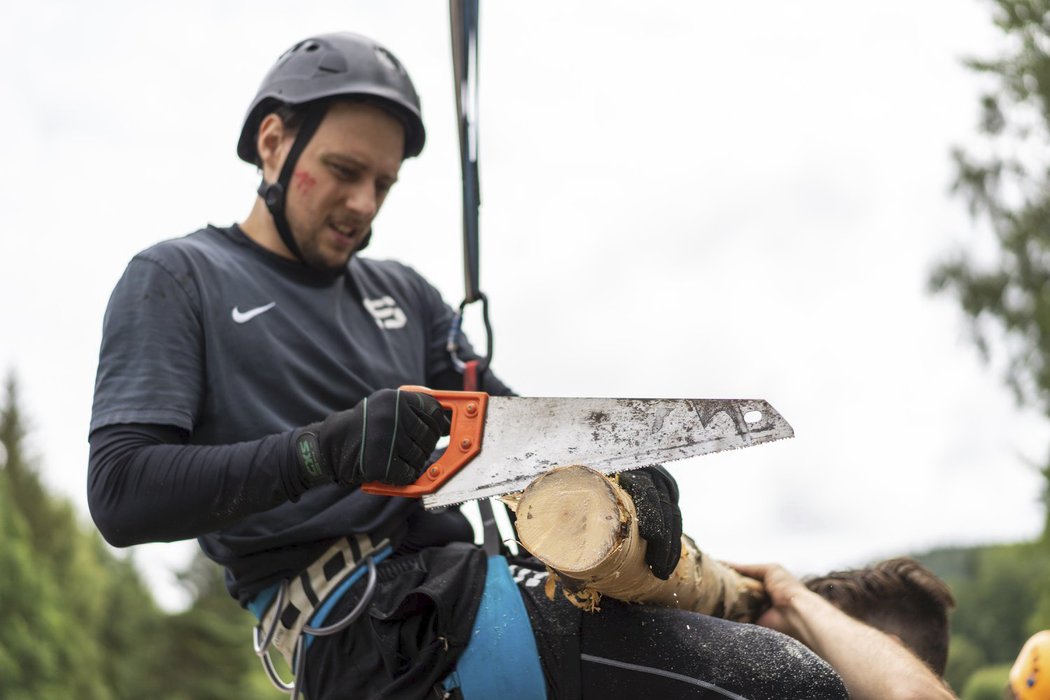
[584,527]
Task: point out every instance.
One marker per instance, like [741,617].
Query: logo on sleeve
[386,313]
[245,316]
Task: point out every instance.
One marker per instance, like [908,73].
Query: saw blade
[525,437]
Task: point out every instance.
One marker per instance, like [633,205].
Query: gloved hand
[655,496]
[387,437]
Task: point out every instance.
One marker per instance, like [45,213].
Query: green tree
[964,658]
[44,515]
[998,591]
[78,622]
[1005,179]
[31,633]
[208,647]
[996,603]
[988,683]
[52,589]
[130,628]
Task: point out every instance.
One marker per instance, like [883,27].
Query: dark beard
[321,265]
[318,262]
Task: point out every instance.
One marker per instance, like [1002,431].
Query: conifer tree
[78,621]
[46,648]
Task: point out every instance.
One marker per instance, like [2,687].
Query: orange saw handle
[468,425]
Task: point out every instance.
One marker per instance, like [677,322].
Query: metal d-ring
[299,658]
[452,343]
[350,617]
[262,648]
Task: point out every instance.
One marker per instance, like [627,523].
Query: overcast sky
[690,199]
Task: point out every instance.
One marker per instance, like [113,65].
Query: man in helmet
[247,386]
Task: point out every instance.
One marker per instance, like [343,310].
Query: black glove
[655,496]
[387,437]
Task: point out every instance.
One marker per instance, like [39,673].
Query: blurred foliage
[78,620]
[1004,177]
[1001,594]
[988,683]
[964,659]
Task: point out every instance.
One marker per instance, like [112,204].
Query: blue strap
[501,660]
[321,615]
[262,600]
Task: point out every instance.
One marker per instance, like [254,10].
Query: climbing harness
[501,633]
[293,612]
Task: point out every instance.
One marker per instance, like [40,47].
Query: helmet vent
[332,62]
[387,59]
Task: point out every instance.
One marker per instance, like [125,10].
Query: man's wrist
[799,606]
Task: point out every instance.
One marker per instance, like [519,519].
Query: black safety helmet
[340,64]
[311,73]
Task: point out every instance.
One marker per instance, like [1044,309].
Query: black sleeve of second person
[146,485]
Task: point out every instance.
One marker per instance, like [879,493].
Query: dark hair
[291,116]
[898,596]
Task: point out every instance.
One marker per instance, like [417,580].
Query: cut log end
[584,527]
[590,520]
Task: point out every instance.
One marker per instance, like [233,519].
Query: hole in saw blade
[752,416]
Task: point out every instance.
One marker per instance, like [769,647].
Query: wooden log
[584,527]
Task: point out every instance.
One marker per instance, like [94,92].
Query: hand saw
[498,444]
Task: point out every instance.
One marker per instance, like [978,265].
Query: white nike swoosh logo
[245,316]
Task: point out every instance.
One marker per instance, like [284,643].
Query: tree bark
[584,527]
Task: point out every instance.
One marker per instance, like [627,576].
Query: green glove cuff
[312,467]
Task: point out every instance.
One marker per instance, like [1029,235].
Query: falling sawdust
[584,598]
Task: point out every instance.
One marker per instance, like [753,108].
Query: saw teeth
[465,497]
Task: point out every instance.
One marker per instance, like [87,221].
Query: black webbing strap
[274,194]
[464,22]
[464,19]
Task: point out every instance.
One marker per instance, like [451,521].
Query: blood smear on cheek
[303,181]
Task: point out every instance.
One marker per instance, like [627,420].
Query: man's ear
[271,144]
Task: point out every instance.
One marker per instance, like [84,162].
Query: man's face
[341,180]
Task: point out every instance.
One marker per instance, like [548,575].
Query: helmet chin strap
[275,194]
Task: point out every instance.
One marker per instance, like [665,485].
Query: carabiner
[454,335]
[261,640]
